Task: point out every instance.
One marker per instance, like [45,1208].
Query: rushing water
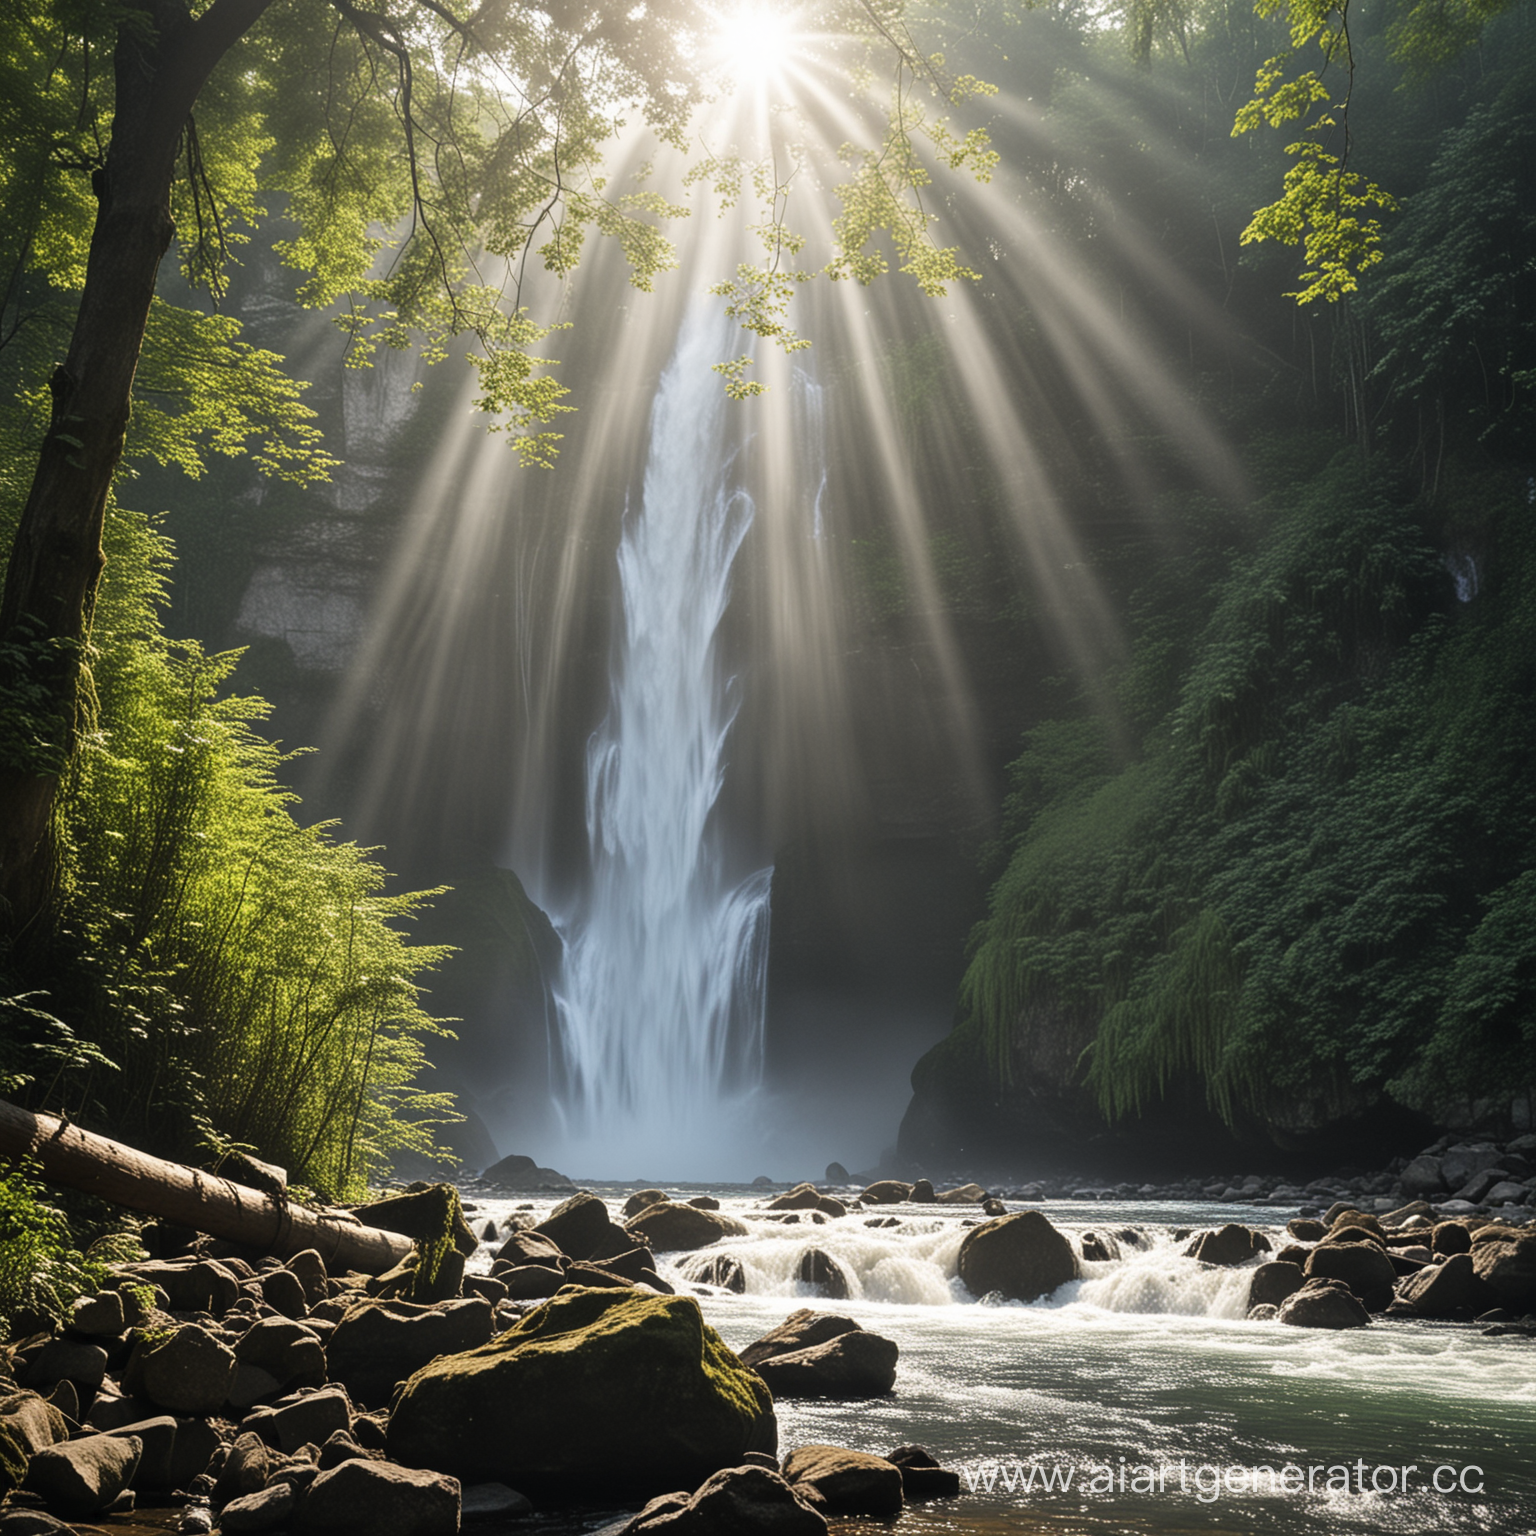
[1145,1385]
[661,1001]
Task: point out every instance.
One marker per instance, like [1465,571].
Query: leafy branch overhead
[1328,210]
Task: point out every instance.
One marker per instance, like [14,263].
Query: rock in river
[1023,1256]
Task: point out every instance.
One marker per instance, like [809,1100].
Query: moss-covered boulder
[597,1391]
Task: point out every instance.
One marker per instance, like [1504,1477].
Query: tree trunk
[203,1201]
[161,61]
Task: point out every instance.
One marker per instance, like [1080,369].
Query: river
[1138,1399]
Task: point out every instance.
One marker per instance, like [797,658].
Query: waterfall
[660,1007]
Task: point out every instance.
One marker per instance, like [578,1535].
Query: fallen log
[189,1197]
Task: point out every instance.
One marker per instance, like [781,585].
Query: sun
[752,43]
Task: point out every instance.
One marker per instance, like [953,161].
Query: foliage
[41,1269]
[219,963]
[1314,875]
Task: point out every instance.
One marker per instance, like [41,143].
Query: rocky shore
[254,1395]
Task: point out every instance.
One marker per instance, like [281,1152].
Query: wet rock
[993,1207]
[818,1354]
[1322,1303]
[1444,1290]
[81,1478]
[1229,1245]
[1306,1230]
[921,1475]
[185,1371]
[643,1200]
[847,1482]
[1023,1256]
[704,1203]
[715,1269]
[922,1193]
[1363,1267]
[1264,1312]
[674,1228]
[379,1343]
[742,1501]
[578,1226]
[963,1194]
[32,1522]
[1272,1283]
[1099,1247]
[803,1197]
[825,1276]
[597,1391]
[379,1498]
[887,1192]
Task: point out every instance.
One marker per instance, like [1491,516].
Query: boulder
[1022,1255]
[287,1351]
[1505,1259]
[1227,1246]
[185,1370]
[1322,1303]
[962,1194]
[847,1482]
[1461,1162]
[66,1359]
[887,1192]
[674,1228]
[100,1314]
[921,1475]
[578,1226]
[1098,1247]
[262,1511]
[715,1269]
[377,1344]
[1363,1267]
[283,1291]
[310,1269]
[523,1173]
[1306,1229]
[1443,1290]
[531,1248]
[531,1282]
[823,1274]
[306,1418]
[1508,1192]
[32,1522]
[741,1501]
[922,1193]
[1451,1237]
[803,1197]
[1423,1177]
[596,1391]
[157,1442]
[28,1424]
[420,1214]
[202,1285]
[836,1174]
[1273,1282]
[643,1200]
[818,1354]
[80,1478]
[378,1498]
[1264,1312]
[245,1470]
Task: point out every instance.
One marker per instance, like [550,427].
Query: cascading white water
[661,1002]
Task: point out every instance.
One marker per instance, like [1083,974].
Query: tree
[476,130]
